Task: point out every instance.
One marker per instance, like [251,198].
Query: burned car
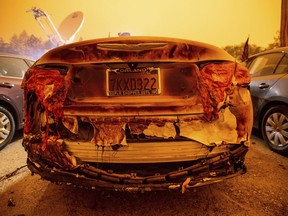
[137,114]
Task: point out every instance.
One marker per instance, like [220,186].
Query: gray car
[12,69]
[269,74]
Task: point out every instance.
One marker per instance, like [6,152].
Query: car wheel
[7,127]
[275,128]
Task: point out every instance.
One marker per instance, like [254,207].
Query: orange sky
[219,22]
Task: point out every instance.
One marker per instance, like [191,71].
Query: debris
[11,203]
[185,184]
[9,175]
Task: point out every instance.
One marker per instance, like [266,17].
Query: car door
[12,70]
[265,70]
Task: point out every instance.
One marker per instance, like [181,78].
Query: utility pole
[284,24]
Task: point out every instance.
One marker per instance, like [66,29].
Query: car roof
[276,50]
[16,56]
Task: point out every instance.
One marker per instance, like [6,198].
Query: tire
[274,128]
[7,127]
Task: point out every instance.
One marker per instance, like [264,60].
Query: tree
[26,45]
[4,47]
[237,50]
[276,42]
[18,43]
[34,47]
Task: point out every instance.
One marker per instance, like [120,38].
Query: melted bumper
[197,173]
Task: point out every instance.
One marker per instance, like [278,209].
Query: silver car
[12,69]
[269,90]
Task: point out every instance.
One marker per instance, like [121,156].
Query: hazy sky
[219,22]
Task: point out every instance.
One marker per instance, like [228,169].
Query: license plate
[127,82]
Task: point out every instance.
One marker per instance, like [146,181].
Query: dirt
[261,191]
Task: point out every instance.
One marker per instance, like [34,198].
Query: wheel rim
[5,127]
[277,129]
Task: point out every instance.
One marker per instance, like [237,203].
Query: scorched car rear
[137,114]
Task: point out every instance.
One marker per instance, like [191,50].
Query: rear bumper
[199,173]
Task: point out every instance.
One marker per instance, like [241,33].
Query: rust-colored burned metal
[175,49]
[202,172]
[213,113]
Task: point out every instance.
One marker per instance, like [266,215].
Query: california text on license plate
[127,82]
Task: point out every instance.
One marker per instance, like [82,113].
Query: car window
[265,65]
[12,67]
[30,62]
[283,66]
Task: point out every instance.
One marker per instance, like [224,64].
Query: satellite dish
[67,30]
[70,26]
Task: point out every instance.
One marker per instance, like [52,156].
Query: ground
[261,191]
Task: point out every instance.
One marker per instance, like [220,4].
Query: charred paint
[206,105]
